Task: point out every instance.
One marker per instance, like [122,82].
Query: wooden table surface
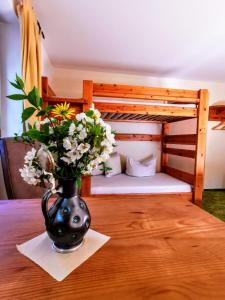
[159,249]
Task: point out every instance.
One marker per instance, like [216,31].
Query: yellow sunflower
[64,111]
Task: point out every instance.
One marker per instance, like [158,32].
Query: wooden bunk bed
[159,105]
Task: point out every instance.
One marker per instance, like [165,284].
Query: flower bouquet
[70,145]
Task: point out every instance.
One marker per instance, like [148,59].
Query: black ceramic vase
[68,219]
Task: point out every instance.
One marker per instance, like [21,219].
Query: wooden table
[160,249]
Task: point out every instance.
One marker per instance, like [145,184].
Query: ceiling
[176,38]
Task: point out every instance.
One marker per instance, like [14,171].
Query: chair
[12,157]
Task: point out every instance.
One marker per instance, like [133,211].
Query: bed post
[44,86]
[87,96]
[202,120]
[164,155]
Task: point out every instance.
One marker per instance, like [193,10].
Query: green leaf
[19,81]
[29,126]
[15,85]
[27,113]
[33,134]
[38,98]
[16,137]
[78,182]
[16,97]
[50,107]
[46,128]
[41,113]
[41,102]
[33,97]
[89,113]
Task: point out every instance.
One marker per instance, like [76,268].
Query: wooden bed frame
[124,112]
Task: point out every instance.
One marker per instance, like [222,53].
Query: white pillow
[141,169]
[114,163]
[98,171]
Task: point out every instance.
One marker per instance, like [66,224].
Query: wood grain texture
[137,137]
[140,92]
[56,100]
[88,97]
[217,112]
[178,139]
[164,155]
[202,121]
[146,109]
[180,152]
[87,94]
[86,186]
[187,196]
[160,249]
[187,177]
[44,86]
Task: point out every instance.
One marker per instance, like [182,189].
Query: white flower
[80,165]
[67,144]
[96,114]
[107,127]
[51,130]
[72,156]
[80,116]
[100,121]
[30,175]
[88,169]
[83,147]
[66,159]
[104,156]
[95,163]
[30,155]
[98,159]
[72,129]
[83,134]
[111,137]
[80,127]
[88,119]
[106,143]
[45,121]
[84,118]
[74,143]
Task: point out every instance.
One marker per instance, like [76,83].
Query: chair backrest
[12,157]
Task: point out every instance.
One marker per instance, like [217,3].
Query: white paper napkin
[59,266]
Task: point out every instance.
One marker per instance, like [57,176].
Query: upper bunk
[128,103]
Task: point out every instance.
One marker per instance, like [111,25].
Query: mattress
[124,184]
[141,102]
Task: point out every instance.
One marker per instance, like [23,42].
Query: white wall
[68,82]
[47,68]
[10,65]
[10,111]
[137,149]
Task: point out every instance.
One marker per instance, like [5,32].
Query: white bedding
[142,102]
[124,184]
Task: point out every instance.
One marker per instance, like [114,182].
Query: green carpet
[214,203]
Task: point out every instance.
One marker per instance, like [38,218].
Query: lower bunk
[122,185]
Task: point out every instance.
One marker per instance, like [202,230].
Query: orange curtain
[30,46]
